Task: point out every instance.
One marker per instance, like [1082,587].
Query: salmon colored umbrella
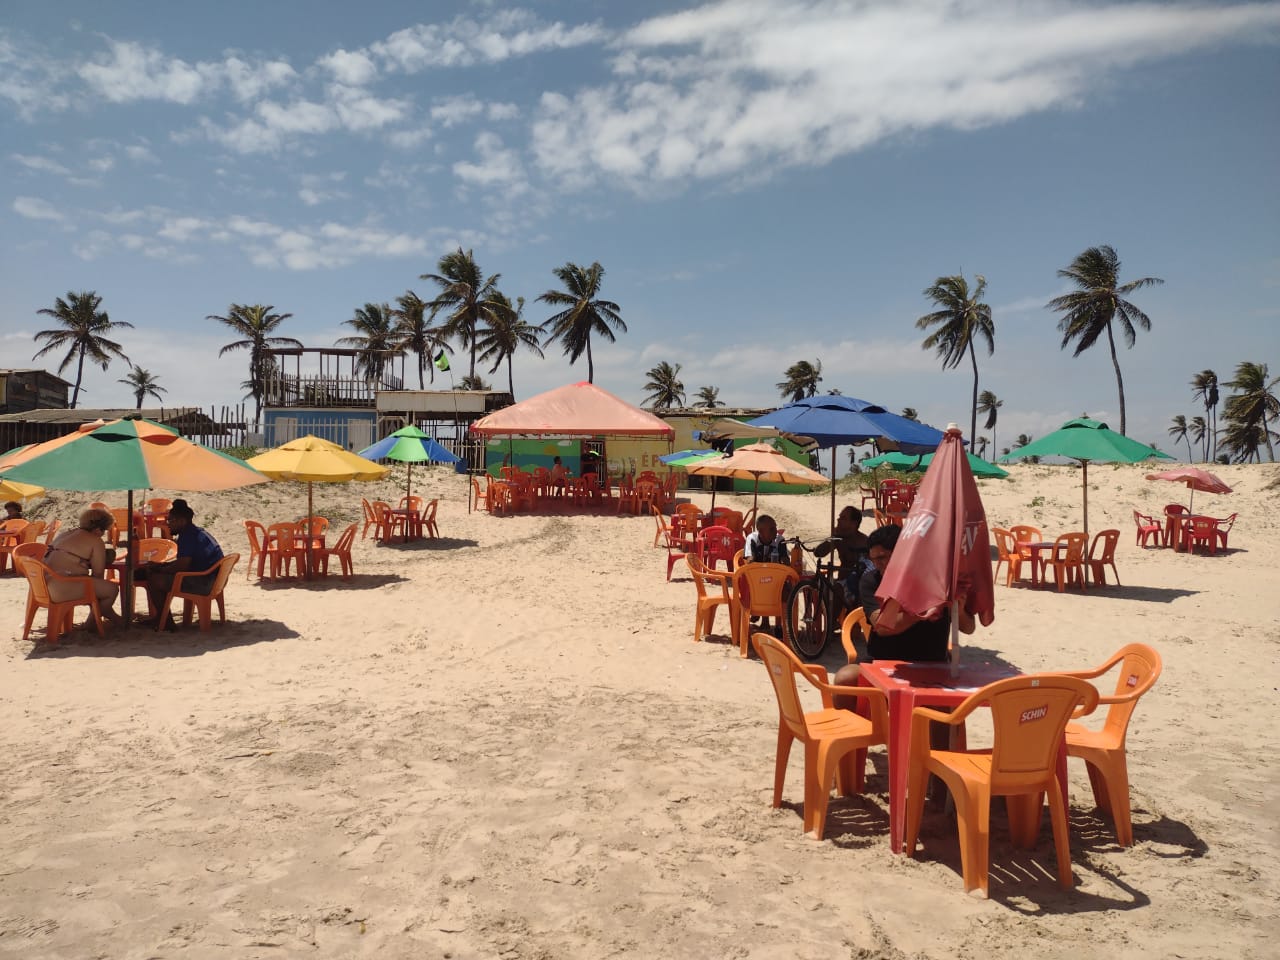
[1195,479]
[944,551]
[758,461]
[313,460]
[130,454]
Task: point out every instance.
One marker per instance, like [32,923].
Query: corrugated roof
[87,415]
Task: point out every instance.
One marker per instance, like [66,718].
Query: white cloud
[464,42]
[451,111]
[29,79]
[33,208]
[101,164]
[352,68]
[140,154]
[248,81]
[496,166]
[40,164]
[131,71]
[743,87]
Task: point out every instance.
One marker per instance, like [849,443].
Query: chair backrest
[346,540]
[32,531]
[760,586]
[313,526]
[700,572]
[1006,545]
[225,566]
[1228,521]
[689,510]
[155,550]
[1070,547]
[749,522]
[782,666]
[1108,538]
[856,617]
[51,532]
[159,505]
[1145,521]
[258,533]
[16,525]
[38,576]
[1023,533]
[1029,714]
[367,507]
[99,505]
[1140,667]
[429,511]
[719,543]
[412,502]
[24,550]
[1203,528]
[280,536]
[659,519]
[1174,510]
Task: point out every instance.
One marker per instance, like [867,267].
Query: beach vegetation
[801,380]
[709,398]
[990,404]
[376,339]
[1180,431]
[466,298]
[508,331]
[143,383]
[584,313]
[415,334]
[472,383]
[960,321]
[1250,411]
[1204,387]
[1090,311]
[256,326]
[911,413]
[664,387]
[83,331]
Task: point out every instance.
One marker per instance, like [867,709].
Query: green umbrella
[909,462]
[409,445]
[687,458]
[1084,440]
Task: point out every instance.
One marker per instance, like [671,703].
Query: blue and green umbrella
[409,445]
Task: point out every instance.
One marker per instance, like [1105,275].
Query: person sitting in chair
[851,546]
[80,552]
[13,510]
[559,476]
[765,545]
[197,550]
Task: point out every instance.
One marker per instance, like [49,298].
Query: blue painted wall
[352,429]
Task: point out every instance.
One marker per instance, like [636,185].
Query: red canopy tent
[578,409]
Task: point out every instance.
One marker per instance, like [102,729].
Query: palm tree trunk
[1266,434]
[421,384]
[1119,380]
[591,367]
[75,396]
[473,354]
[973,410]
[511,383]
[1190,456]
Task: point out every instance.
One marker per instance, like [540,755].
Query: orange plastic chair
[370,518]
[681,541]
[11,532]
[1023,533]
[713,593]
[662,531]
[1173,517]
[1103,751]
[627,497]
[151,550]
[1029,714]
[1148,527]
[24,550]
[1067,560]
[39,577]
[1224,530]
[280,547]
[203,604]
[33,531]
[341,550]
[749,522]
[390,525]
[479,498]
[831,737]
[687,510]
[257,534]
[1203,530]
[428,520]
[315,528]
[120,526]
[857,617]
[412,502]
[1007,553]
[715,544]
[51,532]
[648,495]
[759,589]
[1098,561]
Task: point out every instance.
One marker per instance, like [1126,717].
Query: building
[31,389]
[36,426]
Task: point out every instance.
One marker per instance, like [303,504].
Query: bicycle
[812,605]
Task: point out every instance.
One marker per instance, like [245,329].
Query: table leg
[901,705]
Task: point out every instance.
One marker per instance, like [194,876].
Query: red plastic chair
[1174,513]
[1148,527]
[714,544]
[1224,528]
[1202,530]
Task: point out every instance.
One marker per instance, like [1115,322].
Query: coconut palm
[1204,387]
[414,333]
[1179,432]
[466,297]
[508,332]
[583,314]
[83,333]
[708,397]
[664,386]
[1087,313]
[1199,431]
[376,338]
[256,326]
[961,320]
[1251,407]
[910,413]
[990,404]
[802,379]
[472,383]
[1023,440]
[981,444]
[143,384]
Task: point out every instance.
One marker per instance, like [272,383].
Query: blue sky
[763,182]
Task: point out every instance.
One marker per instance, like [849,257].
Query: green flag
[441,361]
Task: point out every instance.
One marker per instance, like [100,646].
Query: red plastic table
[1036,546]
[910,685]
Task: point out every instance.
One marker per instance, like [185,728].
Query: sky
[763,182]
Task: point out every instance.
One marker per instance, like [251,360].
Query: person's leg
[106,591]
[158,585]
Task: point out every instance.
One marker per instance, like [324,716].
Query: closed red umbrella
[1195,479]
[943,555]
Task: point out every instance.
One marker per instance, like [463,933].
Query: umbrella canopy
[908,462]
[22,492]
[1085,440]
[759,461]
[1195,479]
[687,458]
[314,460]
[943,555]
[409,445]
[577,409]
[130,454]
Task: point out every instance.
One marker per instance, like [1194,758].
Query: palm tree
[256,326]
[142,383]
[910,413]
[990,404]
[467,295]
[664,386]
[709,397]
[1088,312]
[981,444]
[802,380]
[472,383]
[584,313]
[83,333]
[962,319]
[1204,387]
[1199,431]
[415,334]
[1179,432]
[1023,440]
[1249,408]
[507,333]
[375,338]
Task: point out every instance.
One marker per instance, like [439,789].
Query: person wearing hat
[197,550]
[81,552]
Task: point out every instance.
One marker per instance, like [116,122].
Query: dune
[504,743]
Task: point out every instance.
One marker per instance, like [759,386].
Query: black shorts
[924,642]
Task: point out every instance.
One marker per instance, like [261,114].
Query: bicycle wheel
[808,618]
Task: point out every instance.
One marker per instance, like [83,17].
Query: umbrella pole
[408,488]
[755,500]
[833,488]
[126,582]
[955,638]
[310,514]
[1085,464]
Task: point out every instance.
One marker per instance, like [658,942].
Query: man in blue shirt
[197,550]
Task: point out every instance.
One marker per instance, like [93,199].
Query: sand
[504,744]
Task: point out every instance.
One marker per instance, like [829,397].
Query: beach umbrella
[22,492]
[943,555]
[758,461]
[835,420]
[1087,440]
[908,462]
[311,460]
[409,445]
[687,458]
[1195,479]
[129,454]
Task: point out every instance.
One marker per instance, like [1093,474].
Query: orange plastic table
[911,685]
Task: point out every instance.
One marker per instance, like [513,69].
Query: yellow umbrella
[22,492]
[313,460]
[759,461]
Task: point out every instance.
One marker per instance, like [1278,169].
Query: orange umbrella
[758,461]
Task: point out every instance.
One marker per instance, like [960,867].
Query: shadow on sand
[142,641]
[359,581]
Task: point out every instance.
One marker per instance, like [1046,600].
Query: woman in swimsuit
[80,552]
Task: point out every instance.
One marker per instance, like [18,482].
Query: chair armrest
[179,577]
[876,699]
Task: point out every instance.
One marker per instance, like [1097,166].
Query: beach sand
[504,744]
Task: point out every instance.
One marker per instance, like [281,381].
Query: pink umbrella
[944,552]
[1195,479]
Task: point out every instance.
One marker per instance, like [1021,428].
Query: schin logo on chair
[1132,681]
[1035,713]
[777,669]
